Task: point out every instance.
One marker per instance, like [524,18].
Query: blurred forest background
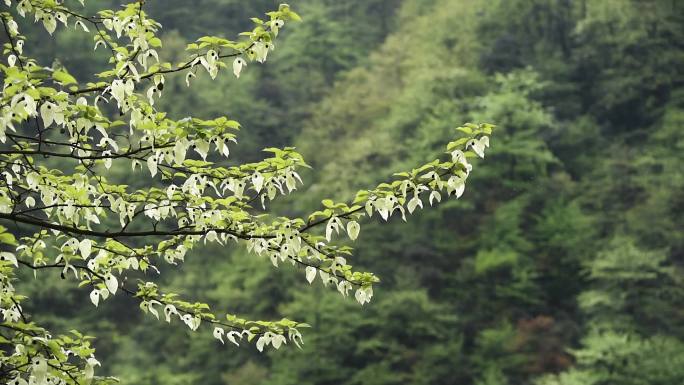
[561,265]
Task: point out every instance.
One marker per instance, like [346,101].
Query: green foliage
[620,358]
[562,266]
[70,147]
[416,346]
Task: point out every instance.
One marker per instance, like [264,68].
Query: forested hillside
[564,265]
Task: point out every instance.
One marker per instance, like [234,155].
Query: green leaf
[465,129]
[63,77]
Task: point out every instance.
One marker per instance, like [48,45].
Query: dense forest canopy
[562,264]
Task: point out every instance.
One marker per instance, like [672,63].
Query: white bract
[238,63]
[478,145]
[310,273]
[353,229]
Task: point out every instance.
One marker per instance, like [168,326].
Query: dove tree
[61,141]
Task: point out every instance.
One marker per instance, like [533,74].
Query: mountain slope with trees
[562,267]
